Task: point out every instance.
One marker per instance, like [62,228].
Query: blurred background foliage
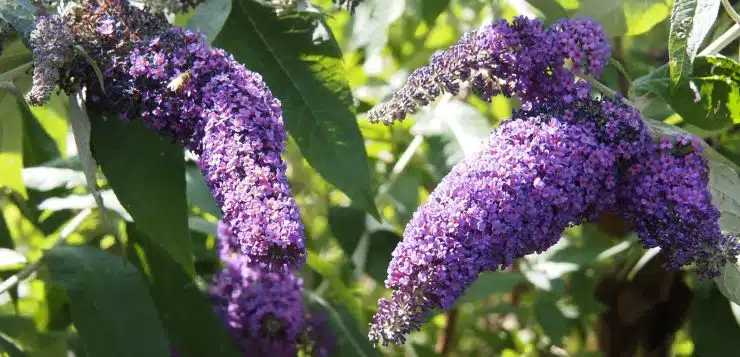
[596,293]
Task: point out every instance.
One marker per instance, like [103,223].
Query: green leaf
[38,146]
[352,342]
[420,350]
[147,173]
[19,14]
[713,327]
[552,321]
[209,17]
[641,15]
[488,283]
[110,305]
[10,348]
[49,178]
[728,281]
[185,311]
[348,225]
[382,242]
[203,226]
[16,60]
[11,136]
[301,62]
[405,194]
[550,9]
[463,136]
[431,9]
[625,17]
[709,99]
[198,192]
[368,27]
[691,20]
[724,183]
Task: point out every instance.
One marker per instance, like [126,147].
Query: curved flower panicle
[522,58]
[222,112]
[666,199]
[52,48]
[541,171]
[227,116]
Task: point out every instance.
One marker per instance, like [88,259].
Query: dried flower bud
[52,48]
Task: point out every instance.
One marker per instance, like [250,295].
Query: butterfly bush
[666,200]
[202,97]
[52,47]
[263,310]
[522,58]
[547,168]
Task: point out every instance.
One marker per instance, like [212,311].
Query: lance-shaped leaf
[691,20]
[110,305]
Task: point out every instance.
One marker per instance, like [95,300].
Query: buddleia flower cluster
[203,98]
[522,58]
[263,310]
[562,160]
[52,48]
[666,200]
[540,172]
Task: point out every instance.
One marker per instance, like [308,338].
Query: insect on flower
[179,81]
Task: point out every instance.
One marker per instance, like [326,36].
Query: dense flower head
[222,112]
[545,169]
[522,58]
[52,48]
[666,199]
[263,310]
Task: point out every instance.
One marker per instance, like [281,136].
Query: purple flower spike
[522,58]
[226,115]
[203,98]
[545,169]
[667,201]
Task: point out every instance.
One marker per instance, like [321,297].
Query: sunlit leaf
[709,99]
[625,17]
[691,20]
[209,17]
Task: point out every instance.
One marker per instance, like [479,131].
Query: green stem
[731,11]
